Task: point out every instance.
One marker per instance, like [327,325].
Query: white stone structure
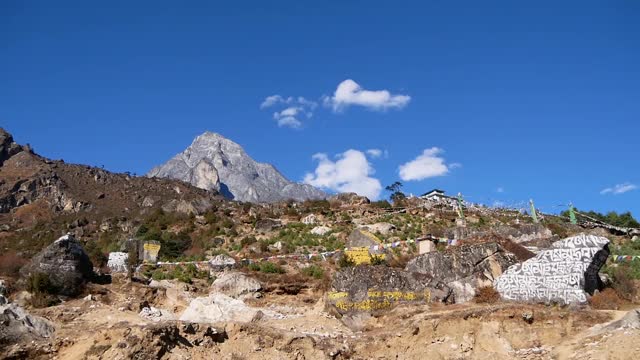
[426,246]
[310,219]
[563,274]
[118,262]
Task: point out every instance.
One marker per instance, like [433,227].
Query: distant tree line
[624,219]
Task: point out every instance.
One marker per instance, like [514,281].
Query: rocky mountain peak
[213,162]
[8,147]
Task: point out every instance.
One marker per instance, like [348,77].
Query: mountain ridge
[213,162]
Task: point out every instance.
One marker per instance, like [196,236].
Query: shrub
[271,268]
[487,295]
[623,281]
[42,290]
[377,260]
[40,283]
[313,271]
[42,300]
[608,299]
[248,240]
[98,258]
[345,261]
[266,267]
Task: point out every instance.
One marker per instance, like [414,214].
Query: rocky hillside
[213,162]
[39,193]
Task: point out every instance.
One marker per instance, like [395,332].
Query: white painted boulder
[320,230]
[117,262]
[564,273]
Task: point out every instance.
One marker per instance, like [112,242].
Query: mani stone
[117,262]
[309,219]
[66,264]
[562,274]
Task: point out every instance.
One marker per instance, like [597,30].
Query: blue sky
[510,100]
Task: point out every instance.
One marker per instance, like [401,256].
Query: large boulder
[362,238]
[236,285]
[368,288]
[222,262]
[464,268]
[381,228]
[562,274]
[66,264]
[222,308]
[266,225]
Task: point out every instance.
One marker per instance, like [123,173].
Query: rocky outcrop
[266,225]
[213,162]
[450,276]
[53,186]
[563,274]
[65,263]
[464,268]
[349,200]
[8,147]
[17,325]
[237,285]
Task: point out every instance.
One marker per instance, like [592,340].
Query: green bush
[40,283]
[184,274]
[248,240]
[377,260]
[271,268]
[266,267]
[313,271]
[345,262]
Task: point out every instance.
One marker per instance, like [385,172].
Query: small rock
[527,316]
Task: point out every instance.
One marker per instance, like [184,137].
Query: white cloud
[426,165]
[349,173]
[619,188]
[273,100]
[295,108]
[350,93]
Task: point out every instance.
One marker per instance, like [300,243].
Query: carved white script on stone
[564,273]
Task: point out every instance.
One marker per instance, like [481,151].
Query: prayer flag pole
[533,211]
[572,214]
[460,211]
